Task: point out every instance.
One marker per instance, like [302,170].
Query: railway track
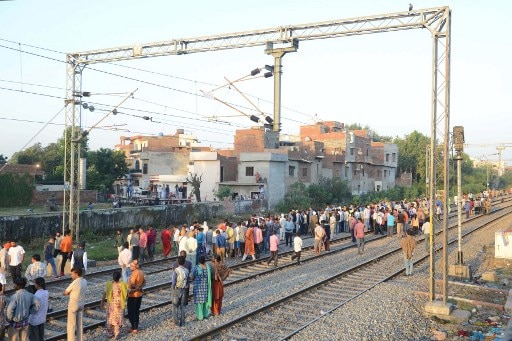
[293,312]
[158,293]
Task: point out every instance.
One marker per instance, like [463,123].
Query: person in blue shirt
[390,223]
[221,245]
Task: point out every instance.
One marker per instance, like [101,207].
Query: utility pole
[278,54]
[458,144]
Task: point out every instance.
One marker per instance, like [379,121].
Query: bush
[15,190]
[223,192]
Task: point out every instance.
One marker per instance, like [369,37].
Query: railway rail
[293,312]
[157,294]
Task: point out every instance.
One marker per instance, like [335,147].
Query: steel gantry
[500,147]
[277,42]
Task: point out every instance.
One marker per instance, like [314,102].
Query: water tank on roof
[180,131]
[160,134]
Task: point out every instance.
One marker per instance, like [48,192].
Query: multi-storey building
[162,159]
[264,165]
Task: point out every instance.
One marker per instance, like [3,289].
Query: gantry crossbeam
[436,20]
[423,18]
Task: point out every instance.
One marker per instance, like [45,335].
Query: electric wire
[149,83]
[40,130]
[33,84]
[130,78]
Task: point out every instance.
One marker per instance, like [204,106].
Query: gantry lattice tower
[277,42]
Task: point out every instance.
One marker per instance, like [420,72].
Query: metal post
[447,36]
[278,54]
[458,145]
[432,169]
[460,259]
[277,90]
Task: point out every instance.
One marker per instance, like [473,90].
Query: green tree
[15,190]
[53,161]
[412,155]
[295,198]
[28,156]
[506,178]
[104,167]
[224,191]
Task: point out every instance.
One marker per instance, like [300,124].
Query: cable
[40,130]
[32,93]
[21,68]
[33,84]
[35,54]
[145,82]
[33,46]
[141,81]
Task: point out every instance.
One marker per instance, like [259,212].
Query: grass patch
[99,248]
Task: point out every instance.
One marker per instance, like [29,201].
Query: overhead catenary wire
[42,128]
[139,69]
[142,133]
[209,120]
[140,110]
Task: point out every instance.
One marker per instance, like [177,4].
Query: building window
[352,151]
[249,171]
[137,164]
[379,173]
[387,157]
[145,169]
[385,173]
[221,173]
[291,170]
[346,171]
[304,172]
[394,157]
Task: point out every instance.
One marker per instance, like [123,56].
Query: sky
[381,80]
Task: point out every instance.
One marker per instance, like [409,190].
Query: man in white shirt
[16,255]
[426,232]
[124,259]
[76,292]
[297,248]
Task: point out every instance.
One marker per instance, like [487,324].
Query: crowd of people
[25,311]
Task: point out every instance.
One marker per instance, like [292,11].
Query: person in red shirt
[151,235]
[359,234]
[274,248]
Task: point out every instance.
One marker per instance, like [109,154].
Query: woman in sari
[116,294]
[166,241]
[202,277]
[220,273]
[249,242]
